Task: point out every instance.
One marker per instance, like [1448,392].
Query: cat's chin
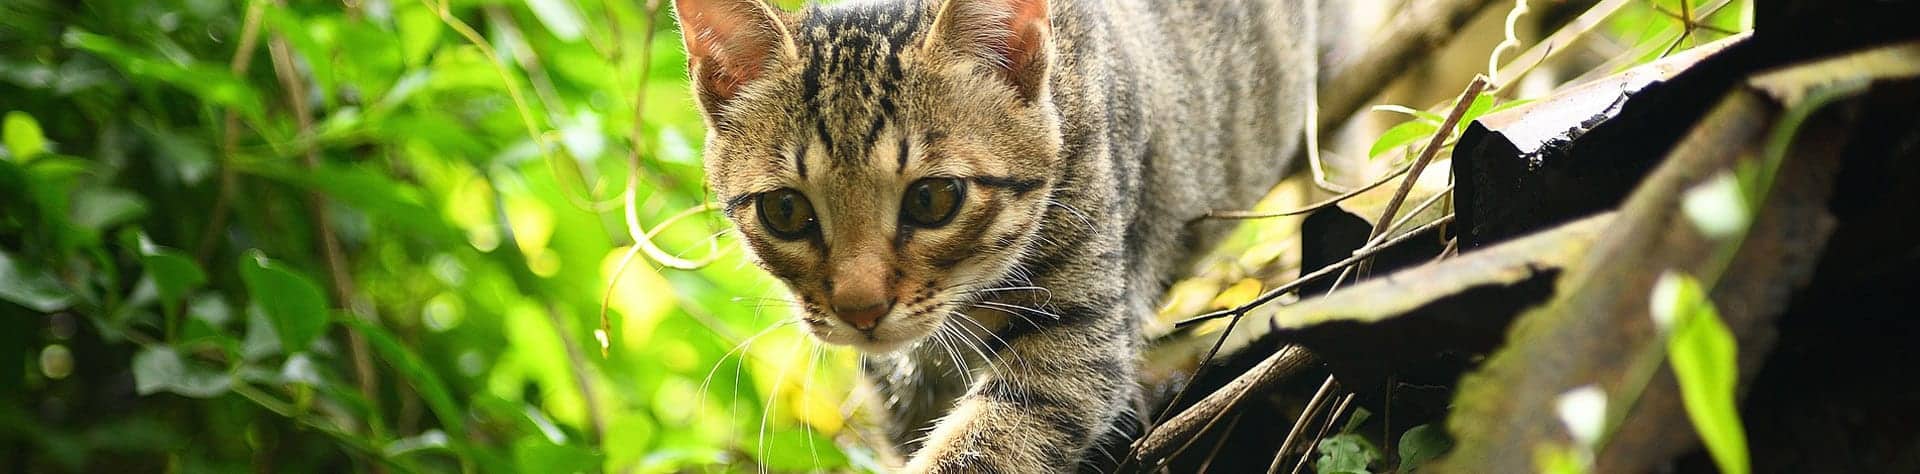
[885,341]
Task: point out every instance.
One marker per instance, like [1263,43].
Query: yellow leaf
[1240,293]
[817,408]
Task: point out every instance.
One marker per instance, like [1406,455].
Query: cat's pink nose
[863,316]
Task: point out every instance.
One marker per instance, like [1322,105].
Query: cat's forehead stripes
[853,72]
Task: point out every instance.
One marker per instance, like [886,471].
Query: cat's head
[886,160]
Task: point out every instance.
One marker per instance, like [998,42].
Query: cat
[987,197]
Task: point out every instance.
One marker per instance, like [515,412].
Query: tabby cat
[986,197]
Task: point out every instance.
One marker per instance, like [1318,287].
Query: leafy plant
[325,236]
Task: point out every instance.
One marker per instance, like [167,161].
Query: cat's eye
[932,202]
[785,213]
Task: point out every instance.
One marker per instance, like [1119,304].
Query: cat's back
[1200,105]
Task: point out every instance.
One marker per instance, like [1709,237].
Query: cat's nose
[858,291]
[861,305]
[863,316]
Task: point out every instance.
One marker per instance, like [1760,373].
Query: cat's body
[1069,149]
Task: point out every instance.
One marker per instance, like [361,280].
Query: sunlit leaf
[1702,351]
[1401,135]
[538,455]
[22,136]
[1238,294]
[420,31]
[559,16]
[292,302]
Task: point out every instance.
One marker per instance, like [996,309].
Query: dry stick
[1313,406]
[1402,222]
[1460,107]
[1197,419]
[342,284]
[1270,295]
[1425,26]
[1338,410]
[1426,156]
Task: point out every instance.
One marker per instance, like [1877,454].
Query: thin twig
[1422,27]
[1338,410]
[1434,144]
[1224,434]
[582,377]
[1426,155]
[1270,295]
[1310,207]
[1300,424]
[1560,41]
[230,142]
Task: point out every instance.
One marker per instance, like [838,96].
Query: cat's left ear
[1014,37]
[731,43]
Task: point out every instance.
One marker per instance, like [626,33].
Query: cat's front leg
[1052,392]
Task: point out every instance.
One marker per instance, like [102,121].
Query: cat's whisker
[740,348]
[991,363]
[959,368]
[1015,307]
[806,391]
[767,409]
[1010,312]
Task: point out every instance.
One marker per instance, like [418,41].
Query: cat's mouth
[902,327]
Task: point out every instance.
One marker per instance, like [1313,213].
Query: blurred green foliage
[176,175]
[169,301]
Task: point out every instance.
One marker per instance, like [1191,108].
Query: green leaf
[420,31]
[31,287]
[367,190]
[560,17]
[212,84]
[1421,444]
[99,208]
[1401,135]
[22,136]
[161,369]
[1347,452]
[173,272]
[430,440]
[1482,104]
[1703,353]
[416,372]
[292,302]
[535,454]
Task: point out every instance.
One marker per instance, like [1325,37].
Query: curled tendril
[643,242]
[1511,42]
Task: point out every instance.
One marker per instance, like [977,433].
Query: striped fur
[1091,135]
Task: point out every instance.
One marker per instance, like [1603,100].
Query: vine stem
[341,283]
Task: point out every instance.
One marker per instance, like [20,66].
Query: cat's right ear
[730,43]
[1012,37]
